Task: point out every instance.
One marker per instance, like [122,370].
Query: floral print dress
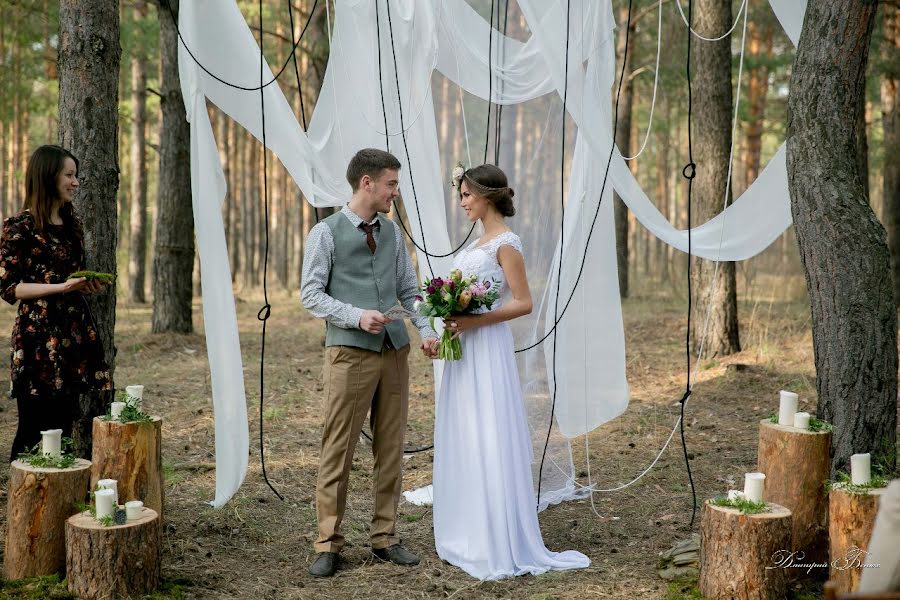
[56,352]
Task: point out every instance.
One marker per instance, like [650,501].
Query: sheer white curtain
[452,38]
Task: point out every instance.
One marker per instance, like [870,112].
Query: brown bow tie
[370,239]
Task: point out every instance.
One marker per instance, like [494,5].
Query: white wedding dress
[485,515]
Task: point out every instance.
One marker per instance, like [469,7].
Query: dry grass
[260,547]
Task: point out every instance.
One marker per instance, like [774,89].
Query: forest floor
[260,547]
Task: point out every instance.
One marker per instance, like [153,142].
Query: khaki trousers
[357,382]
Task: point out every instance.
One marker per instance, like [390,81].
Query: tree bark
[40,501]
[137,254]
[89,55]
[712,144]
[843,247]
[890,118]
[851,519]
[623,141]
[735,550]
[121,561]
[173,254]
[759,52]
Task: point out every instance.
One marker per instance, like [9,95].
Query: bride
[485,515]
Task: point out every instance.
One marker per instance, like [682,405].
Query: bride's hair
[490,182]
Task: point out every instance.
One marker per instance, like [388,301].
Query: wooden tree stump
[120,561]
[851,520]
[735,550]
[39,502]
[797,464]
[130,453]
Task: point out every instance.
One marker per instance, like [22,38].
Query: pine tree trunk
[623,141]
[88,126]
[890,118]
[137,254]
[173,254]
[712,100]
[759,51]
[843,247]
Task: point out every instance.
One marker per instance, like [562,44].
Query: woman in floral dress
[56,352]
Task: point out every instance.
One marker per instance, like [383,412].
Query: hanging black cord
[689,172]
[294,58]
[499,114]
[266,310]
[487,127]
[562,226]
[387,138]
[232,85]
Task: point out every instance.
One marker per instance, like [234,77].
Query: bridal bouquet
[454,295]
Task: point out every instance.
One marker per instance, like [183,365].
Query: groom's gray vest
[364,280]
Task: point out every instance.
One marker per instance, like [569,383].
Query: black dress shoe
[396,554]
[325,564]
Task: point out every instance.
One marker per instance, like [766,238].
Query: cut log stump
[130,453]
[735,550]
[39,502]
[851,520]
[120,561]
[797,463]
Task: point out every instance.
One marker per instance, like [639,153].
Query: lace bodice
[482,260]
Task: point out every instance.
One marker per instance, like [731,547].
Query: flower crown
[456,176]
[459,173]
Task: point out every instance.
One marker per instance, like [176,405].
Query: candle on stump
[51,442]
[753,486]
[735,494]
[134,509]
[861,468]
[787,408]
[104,503]
[801,420]
[136,392]
[110,484]
[116,409]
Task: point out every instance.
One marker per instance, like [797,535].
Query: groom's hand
[430,347]
[373,321]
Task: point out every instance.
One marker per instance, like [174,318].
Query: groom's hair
[371,162]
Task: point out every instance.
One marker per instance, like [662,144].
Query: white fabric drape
[450,37]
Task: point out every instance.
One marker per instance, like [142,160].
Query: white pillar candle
[861,468]
[787,408]
[51,442]
[133,509]
[801,420]
[110,484]
[104,503]
[753,486]
[136,392]
[116,409]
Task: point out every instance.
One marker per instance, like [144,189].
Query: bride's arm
[513,265]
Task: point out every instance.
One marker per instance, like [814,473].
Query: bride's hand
[459,323]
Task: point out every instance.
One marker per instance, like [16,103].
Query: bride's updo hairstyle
[490,182]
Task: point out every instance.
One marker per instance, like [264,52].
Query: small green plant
[748,507]
[845,482]
[104,278]
[131,413]
[815,425]
[36,457]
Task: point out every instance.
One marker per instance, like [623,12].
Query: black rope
[487,128]
[228,83]
[387,143]
[562,221]
[689,172]
[266,310]
[294,58]
[499,108]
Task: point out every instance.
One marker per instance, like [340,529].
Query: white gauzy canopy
[450,40]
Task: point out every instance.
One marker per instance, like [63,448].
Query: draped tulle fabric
[529,73]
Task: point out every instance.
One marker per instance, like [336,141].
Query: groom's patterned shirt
[318,259]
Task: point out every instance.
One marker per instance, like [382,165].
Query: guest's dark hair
[44,167]
[490,182]
[371,162]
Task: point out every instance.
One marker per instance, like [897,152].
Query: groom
[355,268]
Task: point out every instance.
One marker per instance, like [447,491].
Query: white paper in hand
[397,313]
